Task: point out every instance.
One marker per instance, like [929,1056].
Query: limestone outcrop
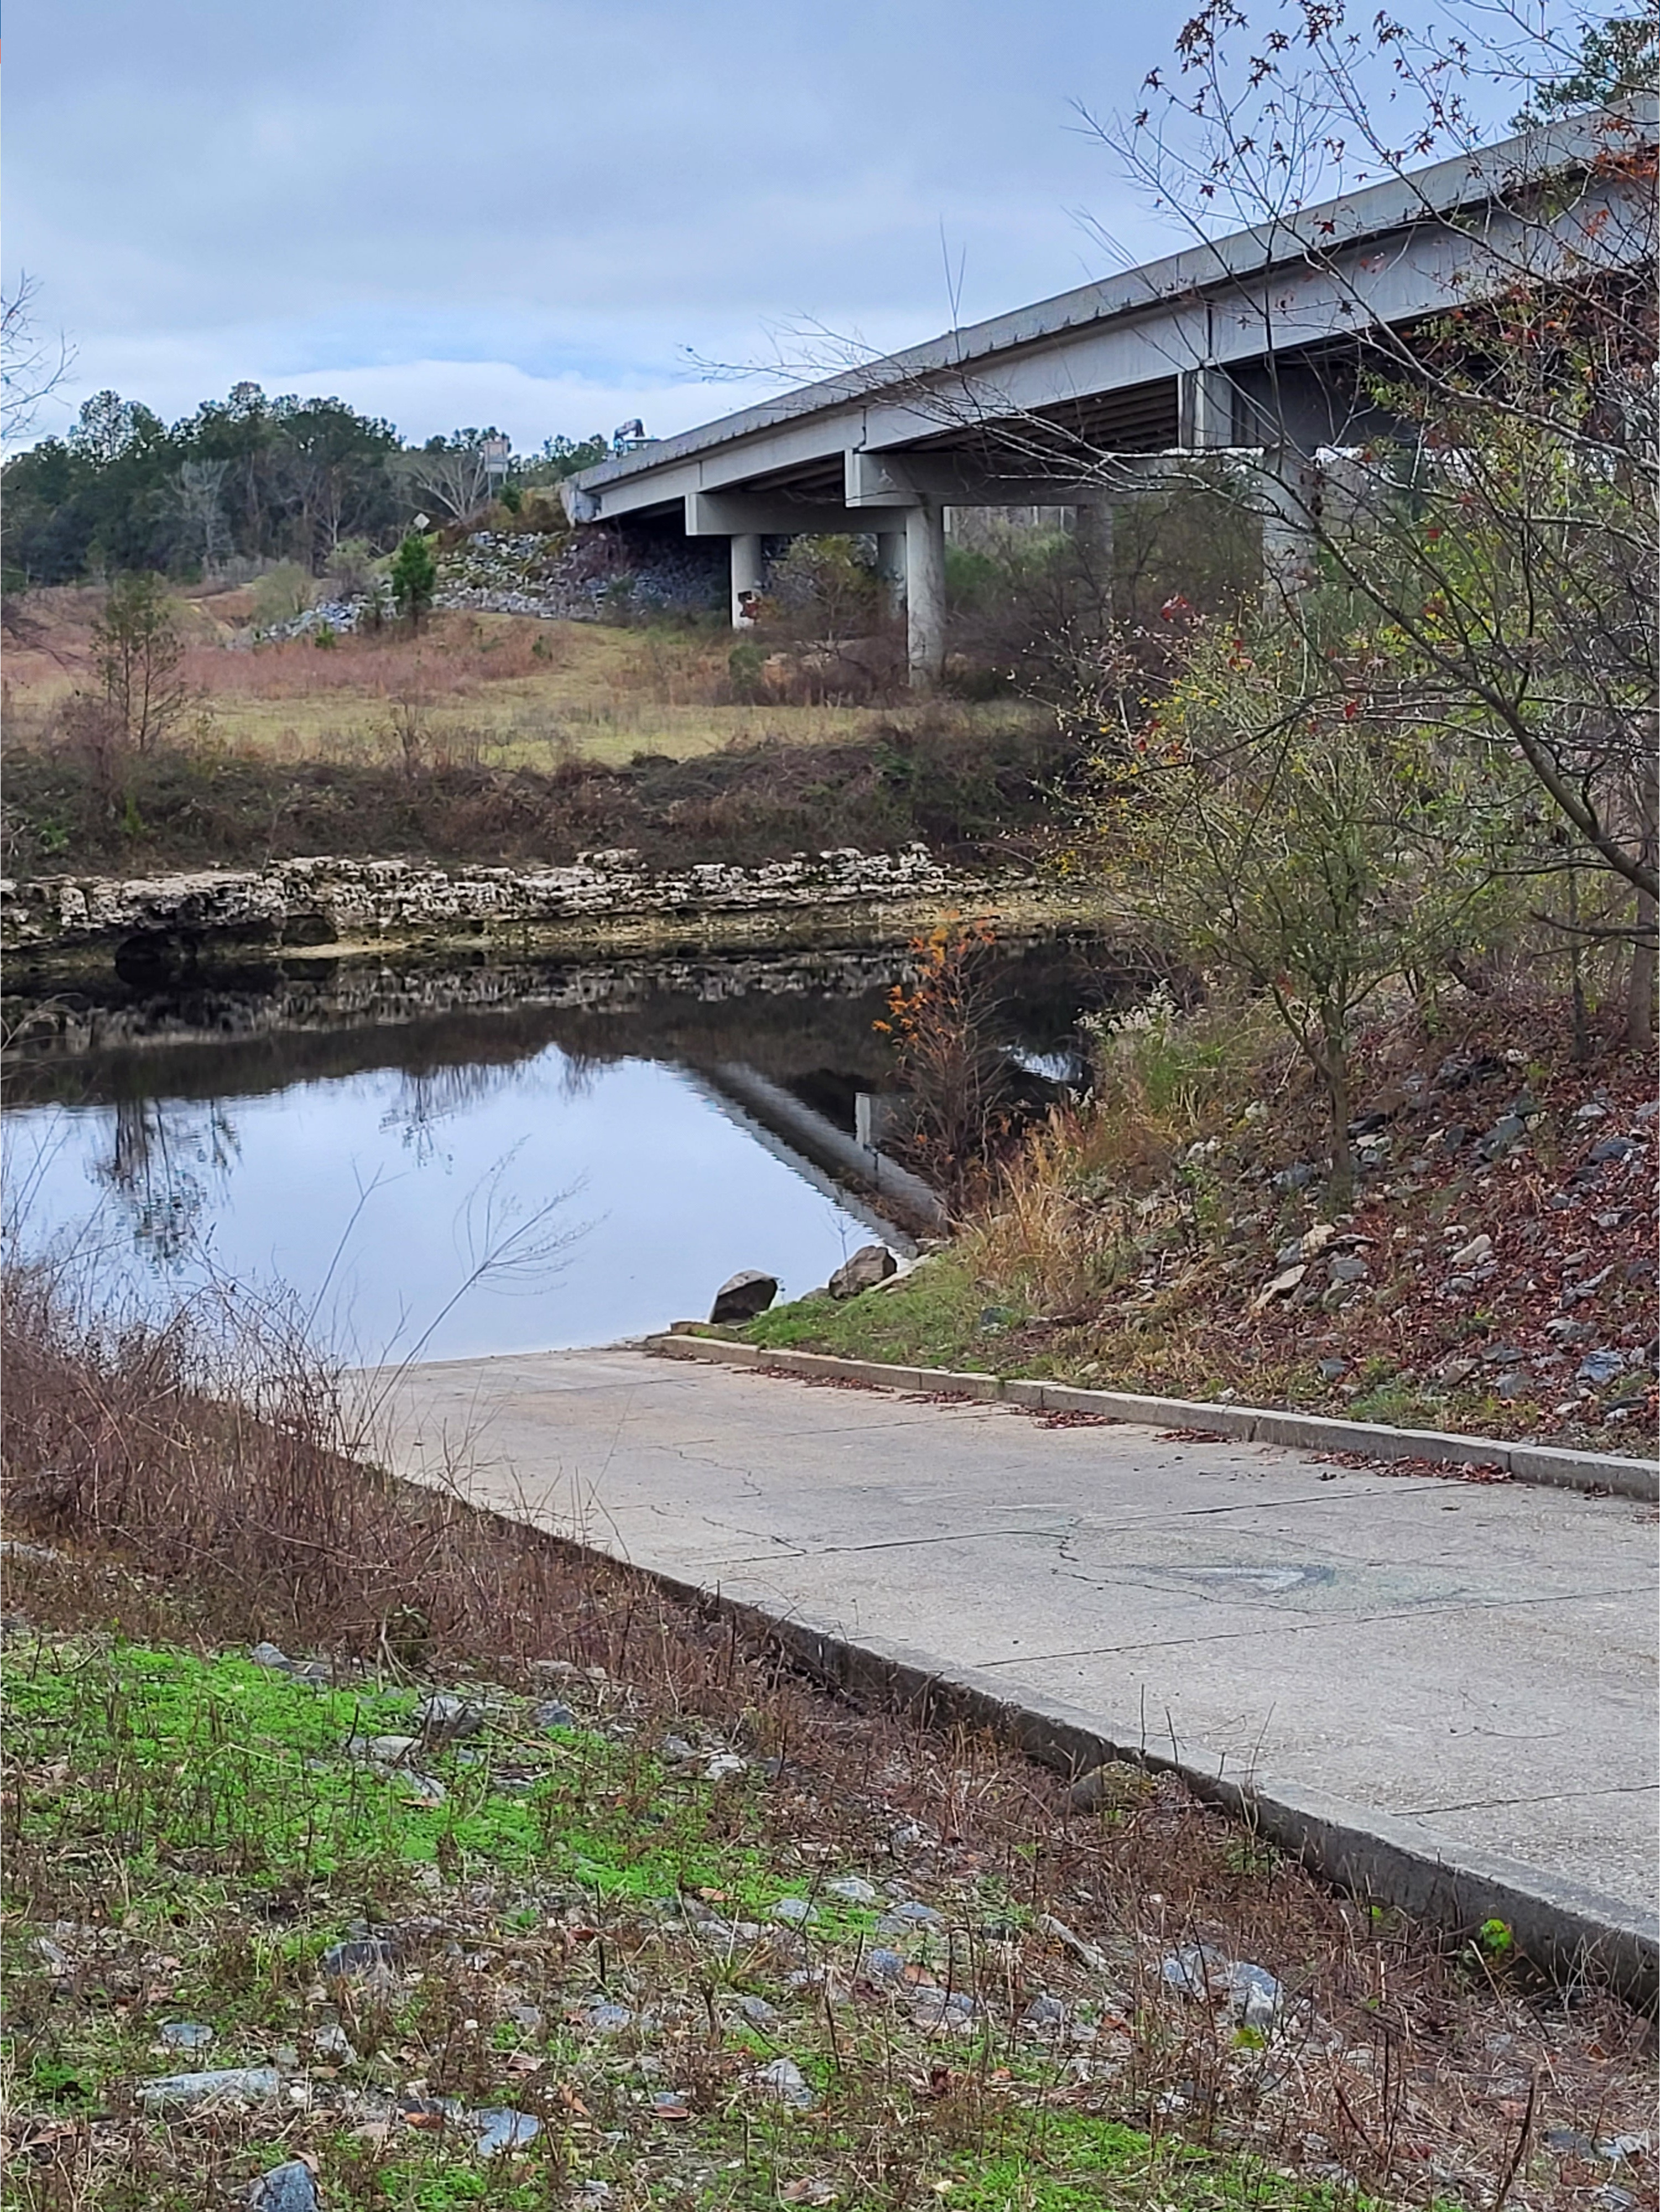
[327,901]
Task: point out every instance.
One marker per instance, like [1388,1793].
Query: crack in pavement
[1289,1624]
[1544,1798]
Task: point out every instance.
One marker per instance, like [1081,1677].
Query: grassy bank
[493,738]
[516,690]
[968,787]
[1493,1273]
[632,1915]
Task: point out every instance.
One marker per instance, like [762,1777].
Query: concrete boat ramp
[1422,1678]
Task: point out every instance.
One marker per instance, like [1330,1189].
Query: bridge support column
[1290,510]
[1091,529]
[890,570]
[748,570]
[925,594]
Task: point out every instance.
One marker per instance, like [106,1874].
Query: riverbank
[1492,1274]
[605,903]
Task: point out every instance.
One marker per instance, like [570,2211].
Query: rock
[1250,1995]
[885,1966]
[1313,1241]
[911,1914]
[381,1750]
[1298,1176]
[1502,1355]
[853,1887]
[550,1714]
[1613,1148]
[606,2019]
[1647,1110]
[1254,1997]
[1590,1111]
[1349,1269]
[503,2130]
[268,1655]
[556,1670]
[1281,1287]
[1331,1369]
[291,2187]
[447,1719]
[784,2080]
[1452,1372]
[936,2011]
[1044,2012]
[331,2041]
[1511,1384]
[1602,1366]
[723,1766]
[676,1747]
[185,2035]
[360,1954]
[1289,1255]
[741,1296]
[870,1265]
[250,2083]
[1116,1786]
[1087,1953]
[757,2011]
[793,1911]
[1506,1133]
[1473,1254]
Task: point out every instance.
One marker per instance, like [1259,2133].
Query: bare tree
[454,476]
[31,365]
[199,496]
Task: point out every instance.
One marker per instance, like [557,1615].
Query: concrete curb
[1541,1463]
[1570,1933]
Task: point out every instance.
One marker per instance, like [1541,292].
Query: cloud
[529,210]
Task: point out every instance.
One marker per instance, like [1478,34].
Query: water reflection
[490,1159]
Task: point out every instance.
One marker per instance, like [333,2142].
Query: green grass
[191,1828]
[934,1318]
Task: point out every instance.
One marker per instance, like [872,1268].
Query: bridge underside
[1254,347]
[1088,454]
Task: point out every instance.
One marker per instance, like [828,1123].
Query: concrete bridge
[1252,345]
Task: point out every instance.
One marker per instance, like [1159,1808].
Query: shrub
[281,593]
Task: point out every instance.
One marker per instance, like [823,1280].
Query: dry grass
[1130,1242]
[502,691]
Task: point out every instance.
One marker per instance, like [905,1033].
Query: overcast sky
[531,212]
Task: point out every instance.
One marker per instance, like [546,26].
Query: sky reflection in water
[376,1194]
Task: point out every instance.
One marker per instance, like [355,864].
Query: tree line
[249,479]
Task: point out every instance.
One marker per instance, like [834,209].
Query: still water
[442,1163]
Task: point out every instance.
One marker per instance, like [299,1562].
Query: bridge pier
[925,594]
[1291,485]
[890,570]
[748,570]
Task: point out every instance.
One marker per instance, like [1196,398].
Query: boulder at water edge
[870,1265]
[744,1297]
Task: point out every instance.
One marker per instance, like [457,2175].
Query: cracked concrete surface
[1477,1660]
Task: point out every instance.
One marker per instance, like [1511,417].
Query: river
[492,1156]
